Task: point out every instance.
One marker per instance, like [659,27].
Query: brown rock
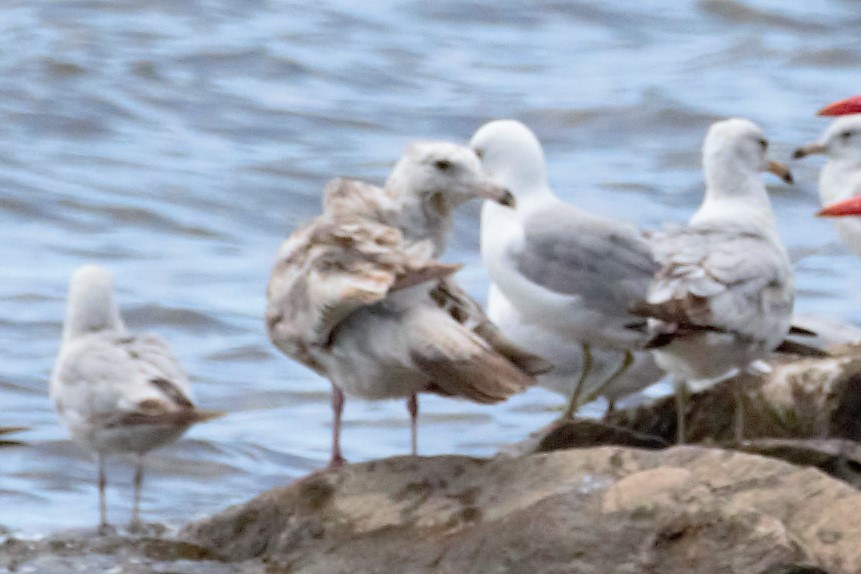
[800,398]
[602,510]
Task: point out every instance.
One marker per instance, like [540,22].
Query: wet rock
[839,458]
[800,398]
[607,510]
[86,551]
[581,433]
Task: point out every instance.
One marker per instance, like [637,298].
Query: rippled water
[179,142]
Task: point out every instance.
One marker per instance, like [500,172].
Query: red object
[848,106]
[851,206]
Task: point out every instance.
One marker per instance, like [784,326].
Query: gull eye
[442,164]
[845,135]
[479,153]
[763,144]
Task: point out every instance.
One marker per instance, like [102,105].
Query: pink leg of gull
[337,408]
[413,408]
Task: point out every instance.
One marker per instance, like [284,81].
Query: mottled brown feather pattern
[468,312]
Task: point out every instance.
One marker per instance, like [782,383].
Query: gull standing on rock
[723,297]
[358,297]
[115,391]
[840,179]
[562,275]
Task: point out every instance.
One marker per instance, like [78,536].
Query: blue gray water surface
[179,143]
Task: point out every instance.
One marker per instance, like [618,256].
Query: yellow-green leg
[627,361]
[573,403]
[738,394]
[681,409]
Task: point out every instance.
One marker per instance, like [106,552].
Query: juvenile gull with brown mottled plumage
[358,296]
[115,391]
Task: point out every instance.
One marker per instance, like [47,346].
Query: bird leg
[337,408]
[413,408]
[681,409]
[104,527]
[627,361]
[738,393]
[573,403]
[135,524]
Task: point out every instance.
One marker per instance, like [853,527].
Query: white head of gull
[116,392]
[562,276]
[724,295]
[840,179]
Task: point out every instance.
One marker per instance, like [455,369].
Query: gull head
[91,306]
[737,147]
[442,176]
[511,154]
[841,141]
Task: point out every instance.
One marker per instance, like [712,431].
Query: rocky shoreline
[586,496]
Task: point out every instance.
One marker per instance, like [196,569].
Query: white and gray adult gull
[358,296]
[563,271]
[840,179]
[724,295]
[115,391]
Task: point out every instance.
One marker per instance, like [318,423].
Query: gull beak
[780,170]
[848,106]
[851,206]
[494,192]
[809,149]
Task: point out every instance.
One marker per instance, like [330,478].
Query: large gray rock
[607,510]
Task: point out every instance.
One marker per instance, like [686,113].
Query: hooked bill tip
[507,199]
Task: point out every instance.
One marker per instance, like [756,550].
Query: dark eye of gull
[763,144]
[442,164]
[846,135]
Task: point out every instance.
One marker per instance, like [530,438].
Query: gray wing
[116,379]
[608,263]
[722,278]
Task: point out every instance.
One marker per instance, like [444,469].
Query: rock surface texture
[607,510]
[801,398]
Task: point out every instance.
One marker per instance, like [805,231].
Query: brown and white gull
[723,297]
[358,296]
[115,391]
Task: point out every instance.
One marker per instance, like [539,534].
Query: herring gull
[561,274]
[358,296]
[115,391]
[724,295]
